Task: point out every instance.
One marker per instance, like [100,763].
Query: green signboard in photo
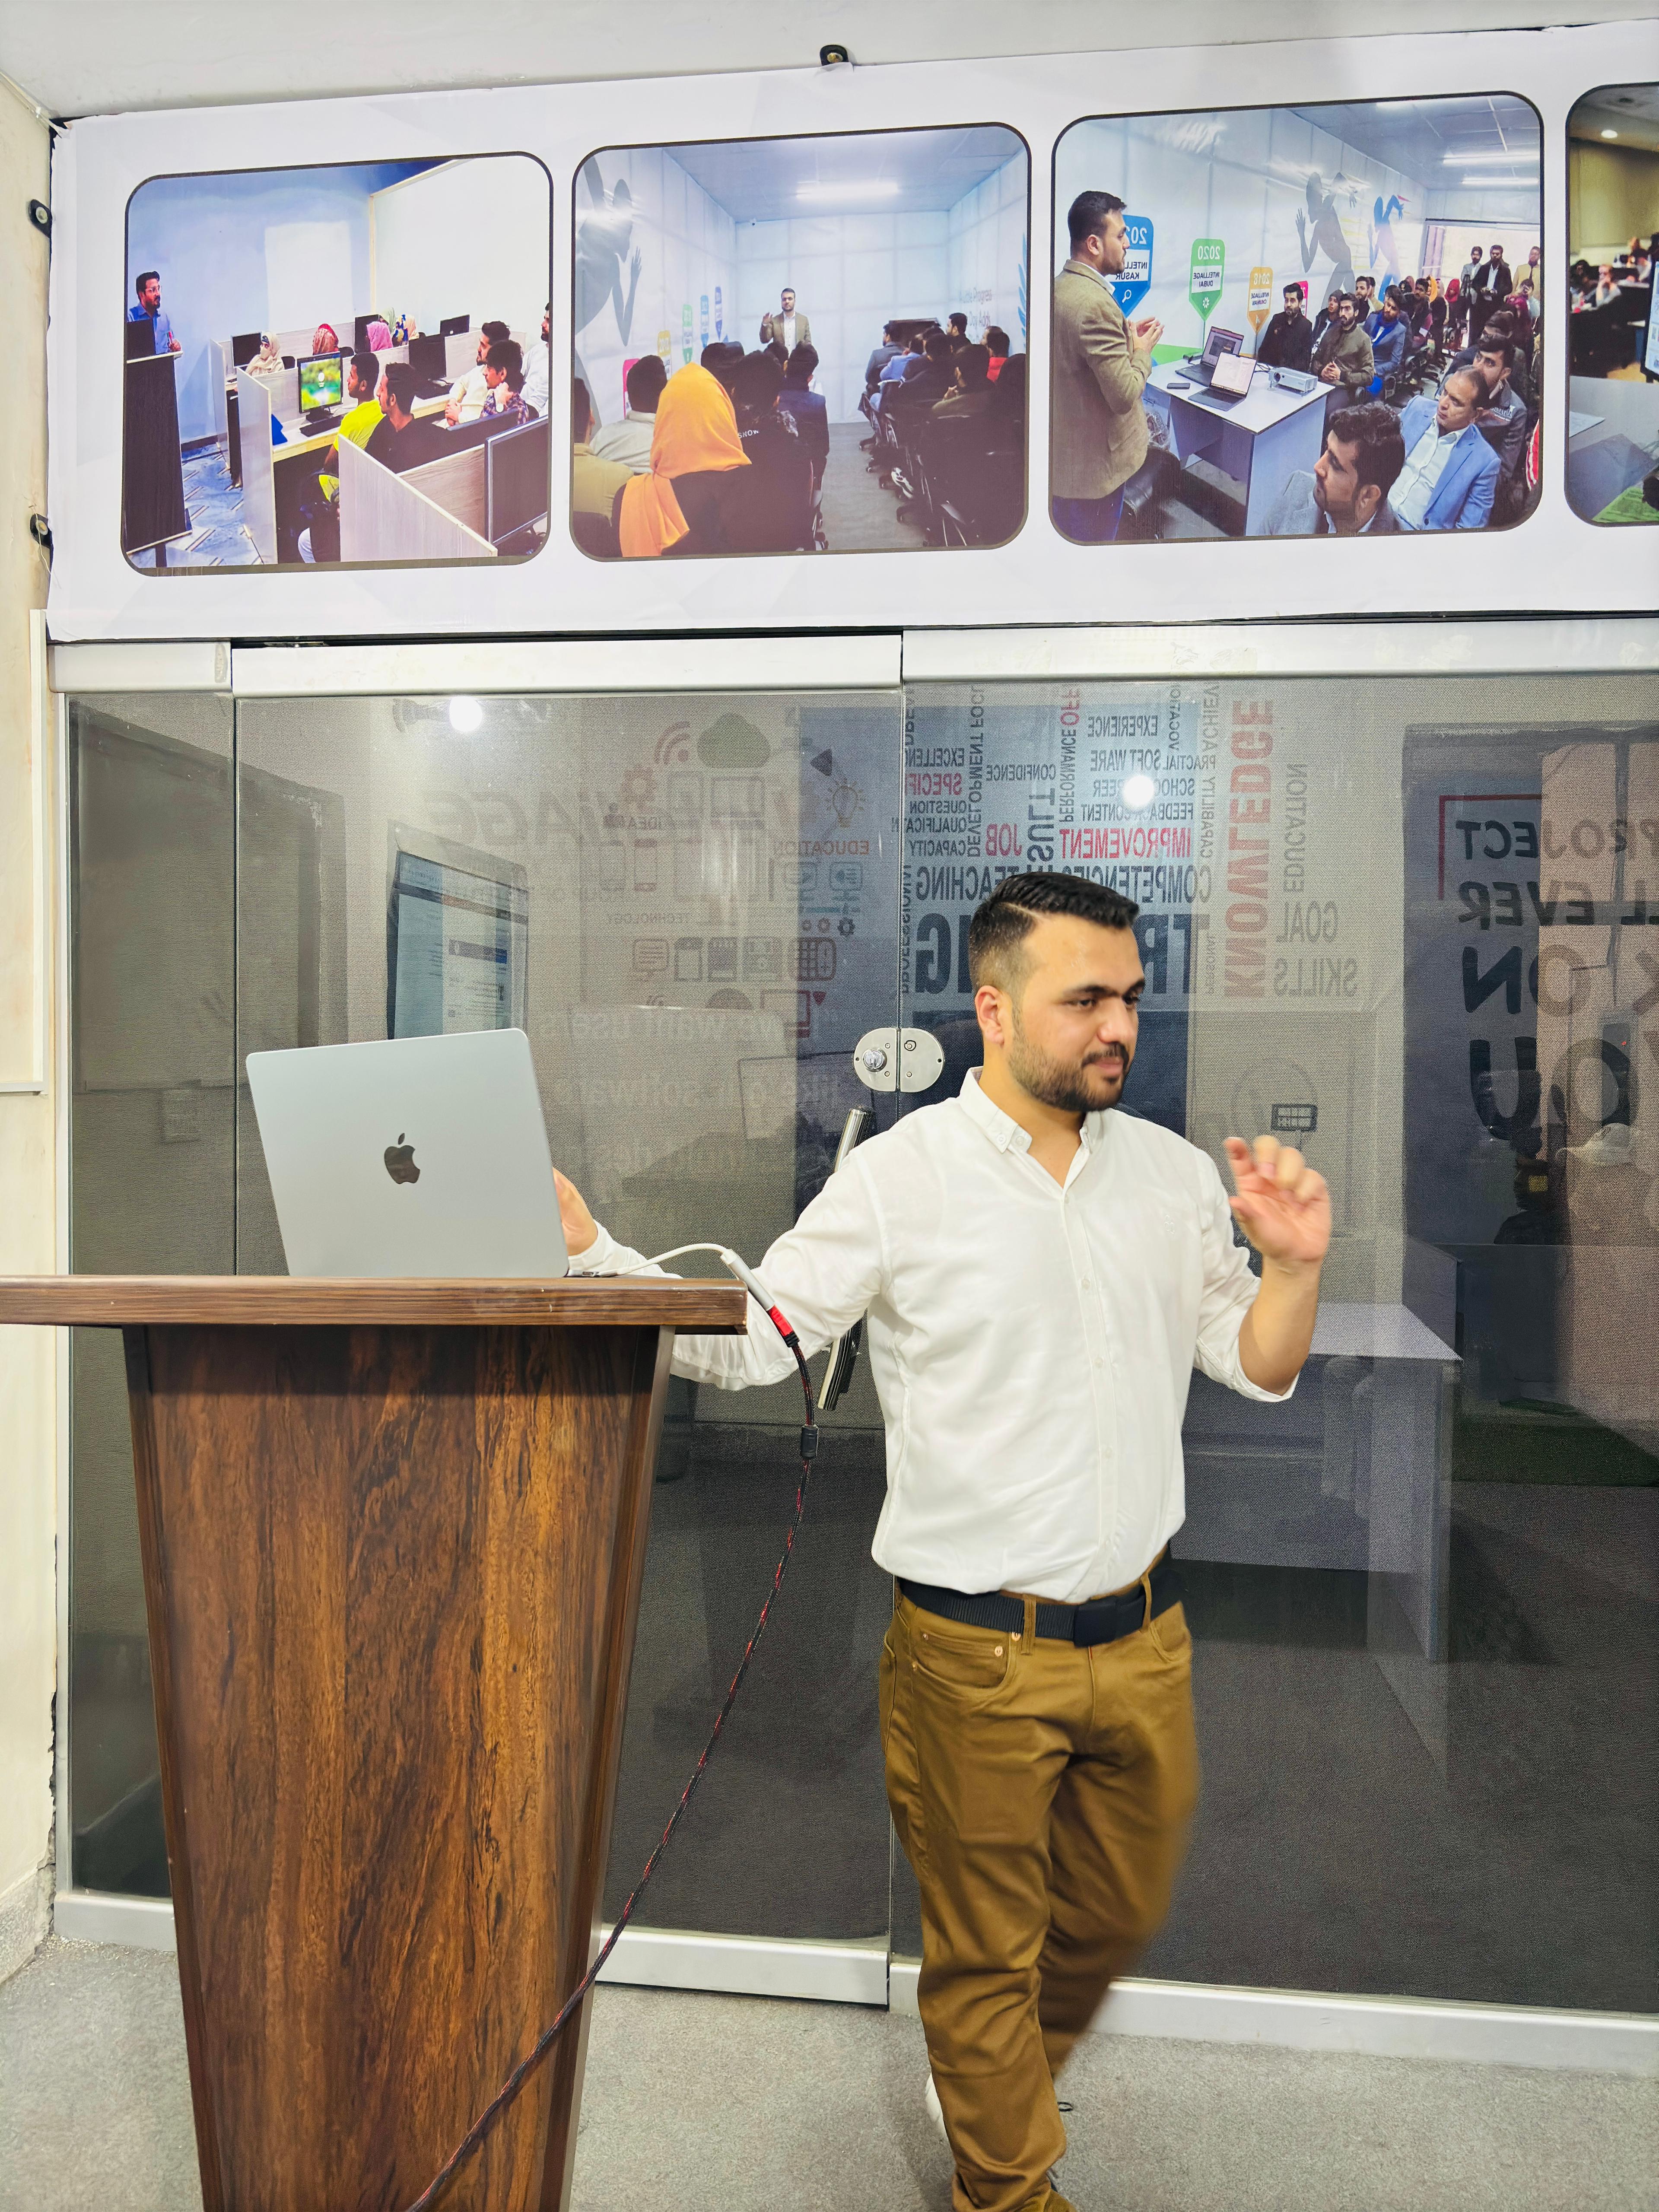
[1204,275]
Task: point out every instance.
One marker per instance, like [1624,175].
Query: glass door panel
[690,907]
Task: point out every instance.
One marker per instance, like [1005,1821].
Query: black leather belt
[1101,1620]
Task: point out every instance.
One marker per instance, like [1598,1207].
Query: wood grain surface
[715,1308]
[392,1576]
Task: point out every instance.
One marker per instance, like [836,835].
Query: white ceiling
[760,180]
[1631,110]
[99,56]
[1429,138]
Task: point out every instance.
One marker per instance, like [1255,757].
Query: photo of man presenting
[1100,435]
[148,308]
[1040,1274]
[784,325]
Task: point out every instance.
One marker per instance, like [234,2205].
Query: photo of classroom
[1298,321]
[336,366]
[1613,227]
[795,345]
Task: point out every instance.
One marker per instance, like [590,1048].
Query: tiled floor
[218,538]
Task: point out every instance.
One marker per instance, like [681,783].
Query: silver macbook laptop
[421,1156]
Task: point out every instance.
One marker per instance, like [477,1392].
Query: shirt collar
[1003,1130]
[1075,268]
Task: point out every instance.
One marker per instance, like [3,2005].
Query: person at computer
[1101,364]
[1347,494]
[1342,357]
[1039,1273]
[1287,342]
[535,365]
[268,362]
[504,399]
[1450,472]
[789,328]
[148,308]
[629,443]
[466,395]
[359,422]
[402,441]
[324,339]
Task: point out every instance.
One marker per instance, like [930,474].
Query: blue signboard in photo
[1134,281]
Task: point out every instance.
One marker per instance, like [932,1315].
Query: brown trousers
[1043,1793]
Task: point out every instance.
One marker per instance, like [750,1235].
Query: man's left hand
[1282,1204]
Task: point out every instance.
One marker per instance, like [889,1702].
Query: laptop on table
[421,1156]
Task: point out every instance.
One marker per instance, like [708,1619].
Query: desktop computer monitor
[243,348]
[321,384]
[516,465]
[360,330]
[454,326]
[427,359]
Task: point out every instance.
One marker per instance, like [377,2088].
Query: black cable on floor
[481,2127]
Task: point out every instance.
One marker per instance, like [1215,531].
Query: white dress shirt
[535,375]
[628,441]
[470,392]
[1032,1345]
[1416,482]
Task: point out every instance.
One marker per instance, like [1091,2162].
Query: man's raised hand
[1282,1204]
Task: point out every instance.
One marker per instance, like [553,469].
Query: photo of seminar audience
[1376,381]
[766,357]
[1612,341]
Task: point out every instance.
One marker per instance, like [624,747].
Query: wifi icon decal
[674,745]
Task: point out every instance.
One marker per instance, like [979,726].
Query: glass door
[691,906]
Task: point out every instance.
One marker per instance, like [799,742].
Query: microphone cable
[477,2133]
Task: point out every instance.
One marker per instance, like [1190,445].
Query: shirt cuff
[597,1258]
[1240,1381]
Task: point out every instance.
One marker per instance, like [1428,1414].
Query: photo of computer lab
[1298,321]
[336,366]
[800,345]
[1612,341]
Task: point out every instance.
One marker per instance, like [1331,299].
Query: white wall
[988,253]
[27,1189]
[471,238]
[683,243]
[1240,177]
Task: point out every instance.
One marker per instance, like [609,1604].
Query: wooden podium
[393,1538]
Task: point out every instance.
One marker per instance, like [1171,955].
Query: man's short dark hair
[1502,347]
[757,380]
[145,276]
[493,332]
[779,351]
[505,355]
[402,385]
[889,333]
[582,412]
[918,342]
[1086,216]
[1375,429]
[937,346]
[957,321]
[973,365]
[646,380]
[366,366]
[996,340]
[1292,292]
[801,367]
[1000,927]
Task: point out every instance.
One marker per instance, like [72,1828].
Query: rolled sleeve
[1228,1294]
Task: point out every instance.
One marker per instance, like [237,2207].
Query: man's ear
[991,1009]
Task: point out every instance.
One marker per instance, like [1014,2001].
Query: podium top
[717,1308]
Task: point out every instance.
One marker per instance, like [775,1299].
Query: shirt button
[1086,1285]
[1099,1365]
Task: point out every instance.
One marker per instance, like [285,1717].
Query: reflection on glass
[1416,943]
[689,906]
[1613,224]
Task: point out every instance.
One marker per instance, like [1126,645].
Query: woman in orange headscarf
[675,508]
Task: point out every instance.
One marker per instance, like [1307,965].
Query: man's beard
[1055,1083]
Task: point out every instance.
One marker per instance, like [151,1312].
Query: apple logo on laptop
[400,1161]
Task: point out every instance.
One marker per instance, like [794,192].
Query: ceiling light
[1139,791]
[465,715]
[1610,134]
[867,188]
[1501,157]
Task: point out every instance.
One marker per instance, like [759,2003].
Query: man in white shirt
[468,393]
[1040,1276]
[535,366]
[629,440]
